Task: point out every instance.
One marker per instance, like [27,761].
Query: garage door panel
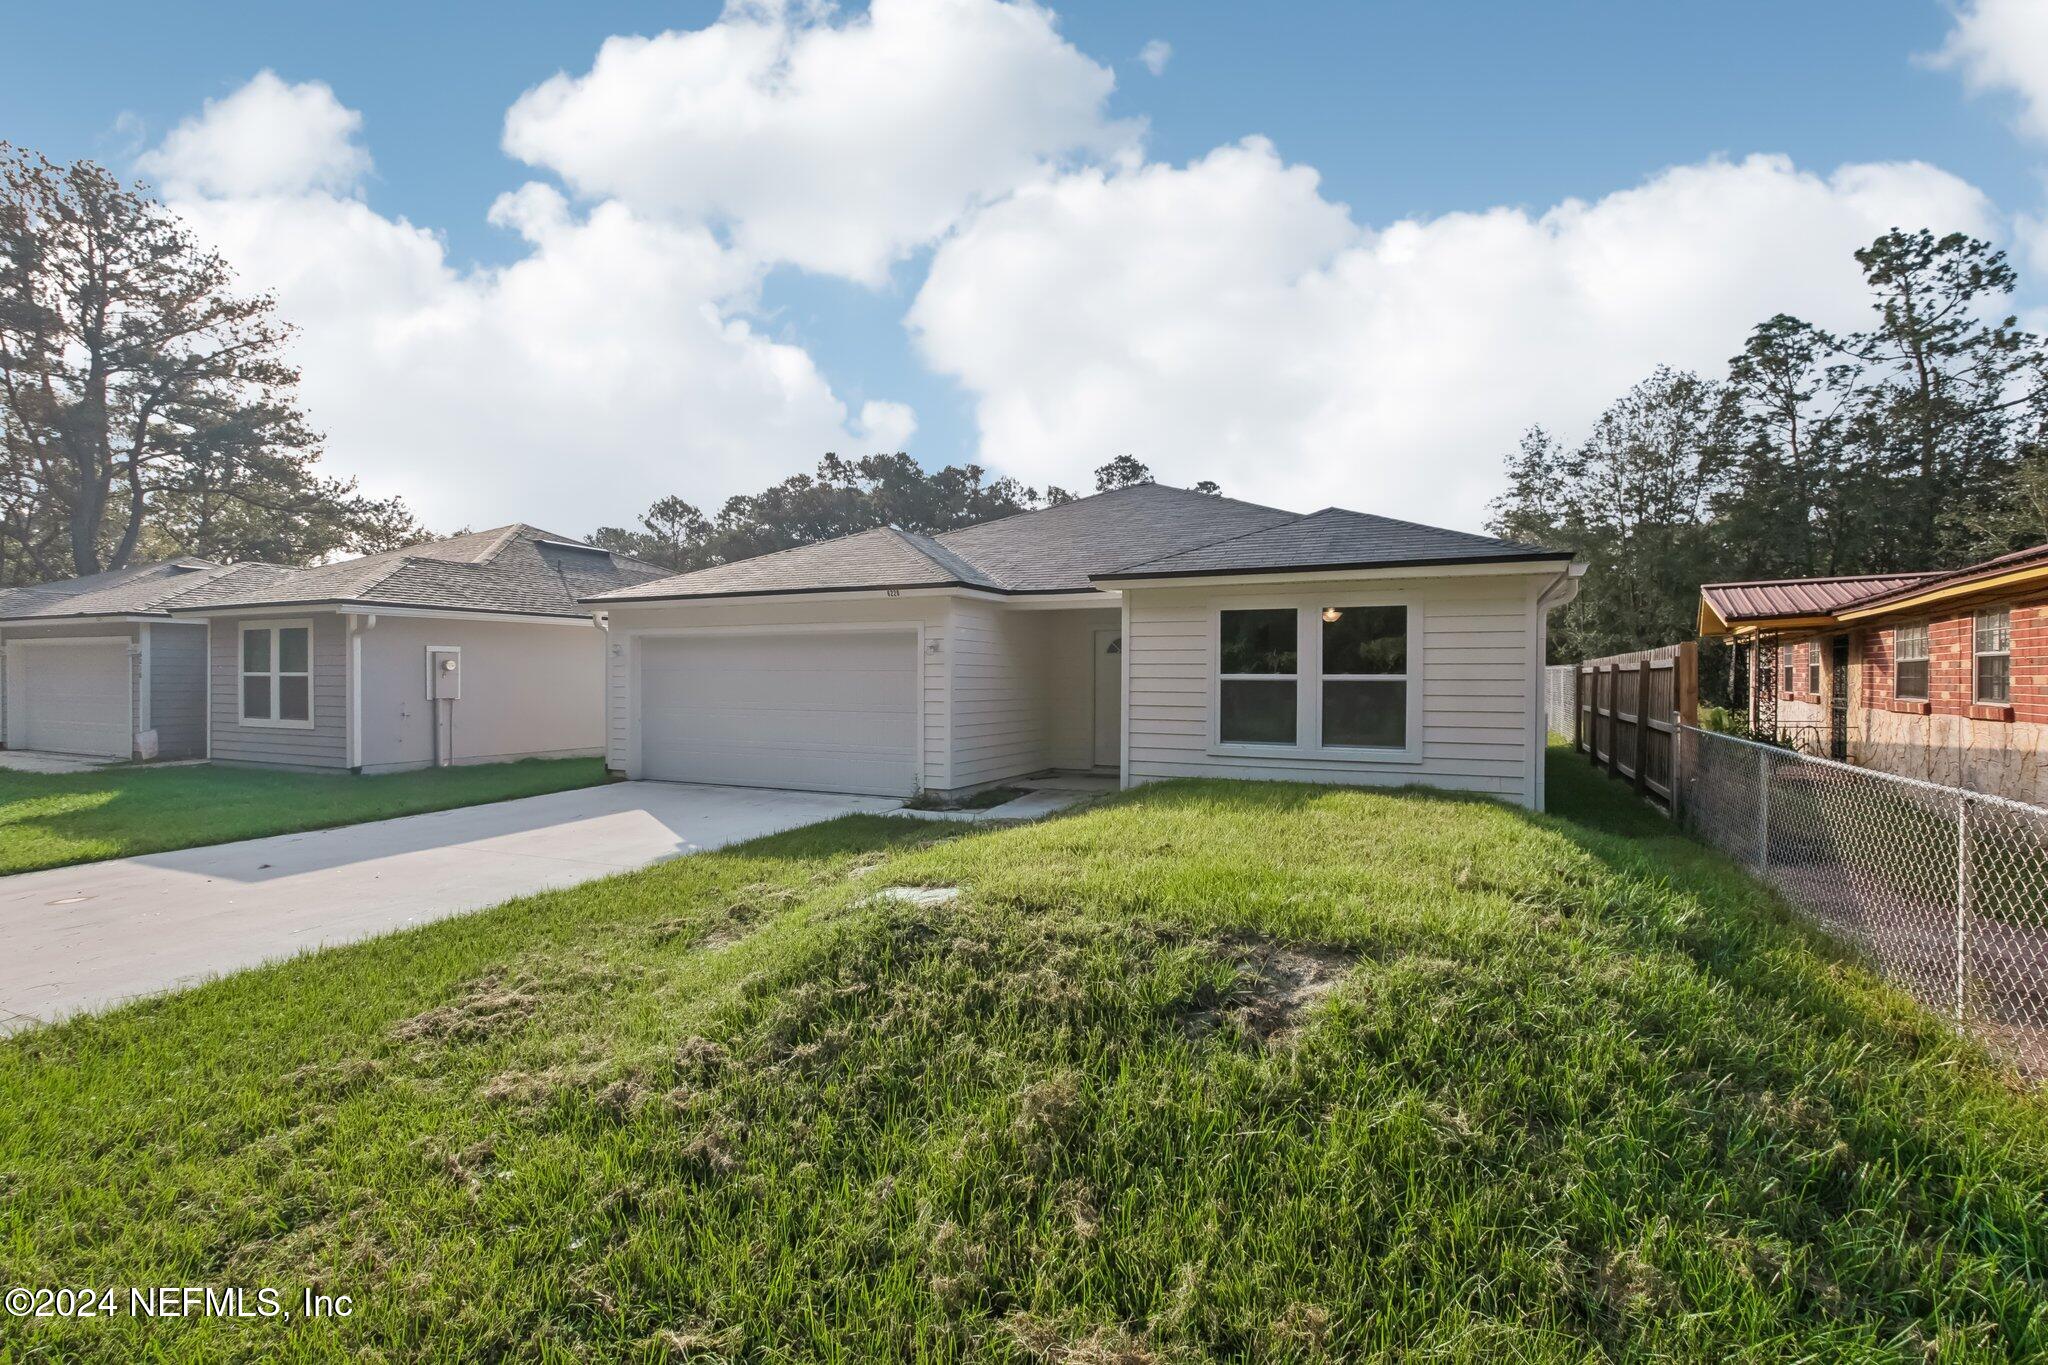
[70,699]
[815,711]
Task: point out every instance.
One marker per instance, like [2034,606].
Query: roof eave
[1141,574]
[1952,591]
[950,586]
[371,606]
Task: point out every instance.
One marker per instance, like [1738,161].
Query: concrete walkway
[81,938]
[31,761]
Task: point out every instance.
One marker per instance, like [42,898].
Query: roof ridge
[1091,497]
[1220,540]
[1829,578]
[938,555]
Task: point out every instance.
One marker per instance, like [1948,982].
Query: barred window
[1909,662]
[1992,649]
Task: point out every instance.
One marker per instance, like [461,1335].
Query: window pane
[1257,713]
[255,651]
[1259,641]
[1912,680]
[1366,640]
[1371,715]
[1994,678]
[294,698]
[1994,632]
[291,650]
[256,698]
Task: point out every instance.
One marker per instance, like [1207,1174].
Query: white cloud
[2003,45]
[266,138]
[1224,320]
[836,144]
[612,363]
[1155,55]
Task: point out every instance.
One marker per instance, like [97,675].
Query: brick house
[1940,675]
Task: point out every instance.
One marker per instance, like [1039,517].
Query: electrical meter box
[444,674]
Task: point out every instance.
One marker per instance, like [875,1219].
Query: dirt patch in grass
[489,1006]
[1277,983]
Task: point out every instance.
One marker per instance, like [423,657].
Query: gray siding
[80,630]
[325,745]
[999,692]
[177,689]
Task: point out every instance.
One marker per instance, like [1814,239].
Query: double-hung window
[1909,662]
[277,674]
[1259,665]
[1813,668]
[1335,682]
[1365,677]
[1991,648]
[1791,653]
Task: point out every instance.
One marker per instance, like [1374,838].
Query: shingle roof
[1054,549]
[137,590]
[1771,598]
[1334,538]
[519,569]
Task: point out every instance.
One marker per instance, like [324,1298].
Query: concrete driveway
[81,938]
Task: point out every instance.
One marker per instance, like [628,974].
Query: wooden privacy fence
[1629,709]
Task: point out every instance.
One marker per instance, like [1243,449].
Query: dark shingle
[519,569]
[1333,538]
[137,590]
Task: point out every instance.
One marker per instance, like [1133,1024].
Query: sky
[549,263]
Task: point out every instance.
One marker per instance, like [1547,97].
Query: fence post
[1763,812]
[1643,727]
[1962,897]
[1578,709]
[1612,672]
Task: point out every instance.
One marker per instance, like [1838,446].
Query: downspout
[1562,589]
[603,621]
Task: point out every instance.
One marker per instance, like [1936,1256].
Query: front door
[1838,700]
[1109,698]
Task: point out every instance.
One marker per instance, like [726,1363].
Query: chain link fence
[1945,890]
[1561,698]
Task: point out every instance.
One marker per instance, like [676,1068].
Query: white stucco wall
[528,690]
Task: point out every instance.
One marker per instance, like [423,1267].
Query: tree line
[1917,442]
[841,498]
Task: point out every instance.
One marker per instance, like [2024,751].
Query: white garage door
[815,711]
[69,699]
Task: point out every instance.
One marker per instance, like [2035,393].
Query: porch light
[1331,616]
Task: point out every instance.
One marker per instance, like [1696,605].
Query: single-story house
[1148,632]
[98,667]
[472,649]
[1941,675]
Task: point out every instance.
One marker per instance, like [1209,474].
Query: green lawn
[49,820]
[1208,1071]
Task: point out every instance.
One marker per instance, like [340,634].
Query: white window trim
[1977,656]
[1926,629]
[1308,678]
[271,628]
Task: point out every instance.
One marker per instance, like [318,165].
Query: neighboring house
[471,649]
[1941,676]
[97,667]
[1149,632]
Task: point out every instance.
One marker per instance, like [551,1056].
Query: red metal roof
[1989,568]
[1771,598]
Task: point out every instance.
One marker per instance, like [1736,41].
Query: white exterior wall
[528,690]
[1480,672]
[1000,692]
[932,613]
[1070,684]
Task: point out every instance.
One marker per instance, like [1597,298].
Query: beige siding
[323,746]
[177,689]
[931,613]
[76,631]
[1070,684]
[528,690]
[999,692]
[1479,677]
